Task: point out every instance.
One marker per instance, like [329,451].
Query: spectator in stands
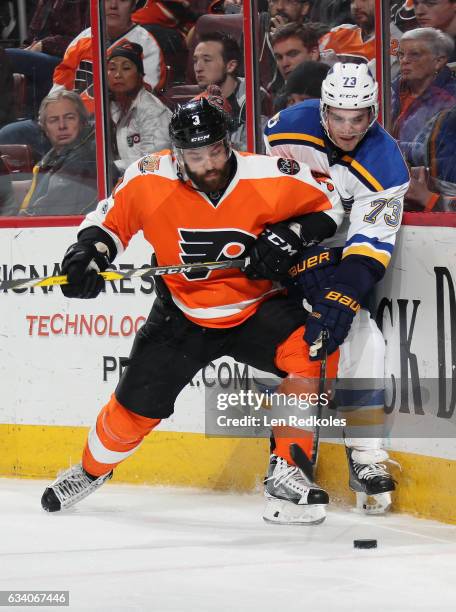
[6,89]
[54,24]
[293,44]
[433,184]
[439,14]
[287,11]
[141,120]
[75,70]
[65,180]
[356,41]
[280,13]
[216,61]
[331,12]
[425,84]
[304,82]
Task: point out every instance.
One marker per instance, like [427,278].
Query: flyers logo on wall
[201,245]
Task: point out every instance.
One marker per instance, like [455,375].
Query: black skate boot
[292,499]
[70,487]
[370,480]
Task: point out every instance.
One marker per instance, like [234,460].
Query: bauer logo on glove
[334,312]
[345,300]
[325,257]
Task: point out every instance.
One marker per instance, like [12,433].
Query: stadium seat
[19,84]
[179,94]
[173,47]
[17,158]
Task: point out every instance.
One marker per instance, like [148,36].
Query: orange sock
[284,436]
[292,356]
[116,435]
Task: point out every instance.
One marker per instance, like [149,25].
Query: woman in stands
[425,85]
[140,119]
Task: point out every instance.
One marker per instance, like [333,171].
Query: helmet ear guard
[348,86]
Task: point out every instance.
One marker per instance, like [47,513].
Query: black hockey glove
[81,263]
[314,272]
[273,253]
[334,311]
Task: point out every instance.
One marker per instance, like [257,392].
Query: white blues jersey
[371,181]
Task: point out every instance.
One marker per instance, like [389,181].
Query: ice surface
[162,549]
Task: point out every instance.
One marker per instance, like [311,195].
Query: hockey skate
[292,499]
[370,480]
[70,487]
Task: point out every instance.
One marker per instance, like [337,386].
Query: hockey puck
[365,543]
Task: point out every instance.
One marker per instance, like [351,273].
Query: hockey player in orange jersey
[203,202]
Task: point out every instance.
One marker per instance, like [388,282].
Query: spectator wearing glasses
[425,84]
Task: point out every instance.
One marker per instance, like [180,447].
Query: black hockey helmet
[198,123]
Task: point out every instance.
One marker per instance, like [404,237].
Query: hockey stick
[306,464]
[111,275]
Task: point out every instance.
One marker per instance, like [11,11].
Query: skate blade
[282,512]
[373,504]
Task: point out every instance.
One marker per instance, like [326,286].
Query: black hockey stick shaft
[305,463]
[112,275]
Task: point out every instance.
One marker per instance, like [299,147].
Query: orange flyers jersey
[184,226]
[347,40]
[75,71]
[155,12]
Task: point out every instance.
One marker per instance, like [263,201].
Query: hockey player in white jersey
[339,137]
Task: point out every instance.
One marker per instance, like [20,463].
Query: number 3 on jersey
[392,216]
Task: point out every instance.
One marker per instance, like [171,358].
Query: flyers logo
[202,245]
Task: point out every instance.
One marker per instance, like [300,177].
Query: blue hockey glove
[81,264]
[273,253]
[334,311]
[314,272]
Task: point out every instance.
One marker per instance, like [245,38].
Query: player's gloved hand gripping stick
[112,275]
